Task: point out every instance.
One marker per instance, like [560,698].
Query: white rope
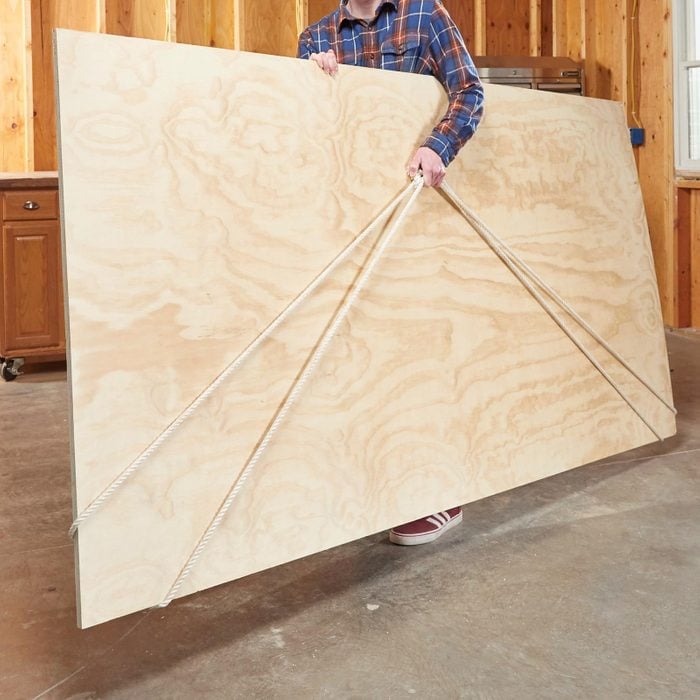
[476,221]
[511,260]
[140,460]
[294,393]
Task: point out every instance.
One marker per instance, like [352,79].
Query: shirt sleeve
[306,45]
[454,68]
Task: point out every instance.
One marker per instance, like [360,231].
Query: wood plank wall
[16,124]
[47,14]
[625,59]
[270,27]
[688,244]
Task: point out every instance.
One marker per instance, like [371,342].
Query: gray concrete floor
[584,585]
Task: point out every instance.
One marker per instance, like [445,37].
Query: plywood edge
[58,39]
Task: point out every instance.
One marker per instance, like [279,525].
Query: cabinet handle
[30,205]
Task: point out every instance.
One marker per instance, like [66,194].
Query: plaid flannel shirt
[416,36]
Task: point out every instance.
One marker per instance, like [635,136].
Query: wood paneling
[688,254]
[16,137]
[547,28]
[569,27]
[206,22]
[535,27]
[606,49]
[686,220]
[148,19]
[694,246]
[320,8]
[463,14]
[508,27]
[270,26]
[47,15]
[656,157]
[196,229]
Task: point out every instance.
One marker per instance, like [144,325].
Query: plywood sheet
[203,189]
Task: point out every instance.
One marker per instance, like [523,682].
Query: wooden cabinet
[31,294]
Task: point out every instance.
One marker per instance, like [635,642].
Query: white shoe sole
[427,537]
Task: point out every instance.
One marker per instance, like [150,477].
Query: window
[687,85]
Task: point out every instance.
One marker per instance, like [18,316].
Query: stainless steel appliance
[533,72]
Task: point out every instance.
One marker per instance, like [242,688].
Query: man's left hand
[430,163]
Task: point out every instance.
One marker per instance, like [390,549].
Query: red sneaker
[427,529]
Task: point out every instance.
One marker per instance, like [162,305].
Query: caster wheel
[11,369]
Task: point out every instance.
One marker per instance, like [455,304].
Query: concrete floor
[584,585]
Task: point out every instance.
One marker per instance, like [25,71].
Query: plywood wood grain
[203,189]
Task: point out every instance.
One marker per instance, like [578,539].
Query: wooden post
[656,157]
[238,24]
[480,27]
[16,123]
[568,28]
[535,27]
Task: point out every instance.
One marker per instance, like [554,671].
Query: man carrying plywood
[416,36]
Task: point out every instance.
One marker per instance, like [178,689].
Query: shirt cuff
[441,145]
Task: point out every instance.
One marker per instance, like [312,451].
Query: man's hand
[430,163]
[327,61]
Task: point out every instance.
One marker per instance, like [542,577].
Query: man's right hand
[327,61]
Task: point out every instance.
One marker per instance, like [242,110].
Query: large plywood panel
[203,189]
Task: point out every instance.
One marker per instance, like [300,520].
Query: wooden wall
[16,128]
[626,59]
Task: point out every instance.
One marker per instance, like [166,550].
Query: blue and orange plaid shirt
[416,36]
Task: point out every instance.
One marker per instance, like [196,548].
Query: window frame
[683,17]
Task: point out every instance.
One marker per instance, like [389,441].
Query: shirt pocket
[401,54]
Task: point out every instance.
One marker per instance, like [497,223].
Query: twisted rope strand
[564,305]
[296,389]
[143,457]
[510,259]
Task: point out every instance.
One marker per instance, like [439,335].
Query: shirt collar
[344,14]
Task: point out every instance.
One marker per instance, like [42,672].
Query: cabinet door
[32,286]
